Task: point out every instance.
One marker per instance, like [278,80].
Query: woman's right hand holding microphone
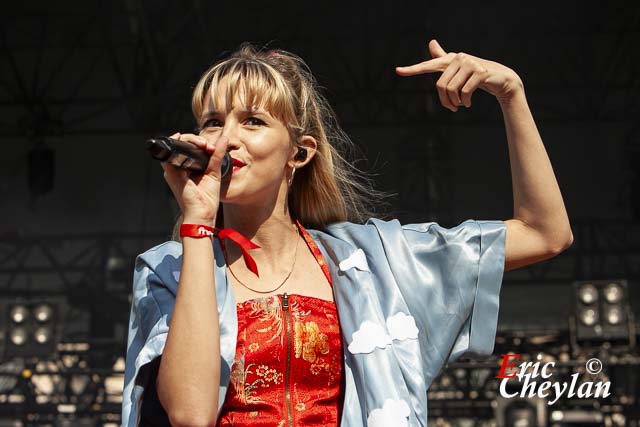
[198,195]
[188,381]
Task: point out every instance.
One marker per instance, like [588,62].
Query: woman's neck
[270,227]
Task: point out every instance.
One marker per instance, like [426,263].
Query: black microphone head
[226,166]
[185,155]
[158,148]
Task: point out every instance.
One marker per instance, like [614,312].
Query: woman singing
[288,305]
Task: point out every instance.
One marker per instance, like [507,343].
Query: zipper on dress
[285,309]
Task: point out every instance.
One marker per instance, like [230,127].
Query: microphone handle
[184,155]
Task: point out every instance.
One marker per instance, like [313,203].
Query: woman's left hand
[462,74]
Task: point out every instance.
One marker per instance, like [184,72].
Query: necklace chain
[295,255]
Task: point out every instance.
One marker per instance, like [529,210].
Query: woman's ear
[303,151]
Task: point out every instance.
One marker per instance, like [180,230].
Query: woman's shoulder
[372,226]
[170,246]
[392,233]
[159,253]
[160,264]
[352,236]
[393,224]
[339,226]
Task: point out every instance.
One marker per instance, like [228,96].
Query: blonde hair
[329,188]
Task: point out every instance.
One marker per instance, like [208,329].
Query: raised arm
[540,226]
[189,375]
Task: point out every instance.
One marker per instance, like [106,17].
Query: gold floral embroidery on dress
[269,309]
[309,340]
[238,377]
[329,367]
[311,344]
[246,391]
[269,375]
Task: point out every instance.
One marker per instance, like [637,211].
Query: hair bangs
[255,84]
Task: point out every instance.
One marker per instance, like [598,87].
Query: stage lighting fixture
[614,315]
[33,325]
[45,385]
[19,314]
[48,381]
[18,336]
[588,316]
[114,384]
[576,417]
[601,313]
[79,383]
[588,294]
[613,293]
[43,313]
[42,335]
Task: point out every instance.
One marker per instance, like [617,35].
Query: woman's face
[259,144]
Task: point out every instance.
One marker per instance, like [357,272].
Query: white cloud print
[402,326]
[368,337]
[393,413]
[356,260]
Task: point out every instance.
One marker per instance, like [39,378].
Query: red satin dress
[287,369]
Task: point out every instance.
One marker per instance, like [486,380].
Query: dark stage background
[83,83]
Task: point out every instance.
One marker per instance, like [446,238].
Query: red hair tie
[199,230]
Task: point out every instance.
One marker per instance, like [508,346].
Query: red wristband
[196,230]
[200,230]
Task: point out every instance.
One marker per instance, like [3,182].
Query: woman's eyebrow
[246,110]
[208,113]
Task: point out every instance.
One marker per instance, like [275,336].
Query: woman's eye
[253,121]
[211,123]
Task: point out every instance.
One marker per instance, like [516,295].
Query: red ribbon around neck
[199,230]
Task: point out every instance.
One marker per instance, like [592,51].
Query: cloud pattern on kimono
[356,260]
[369,336]
[402,326]
[393,413]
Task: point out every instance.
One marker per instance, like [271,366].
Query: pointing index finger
[430,66]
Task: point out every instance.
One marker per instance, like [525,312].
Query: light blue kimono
[410,299]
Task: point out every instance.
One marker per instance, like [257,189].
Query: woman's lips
[237,164]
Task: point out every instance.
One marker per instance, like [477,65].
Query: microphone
[184,155]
